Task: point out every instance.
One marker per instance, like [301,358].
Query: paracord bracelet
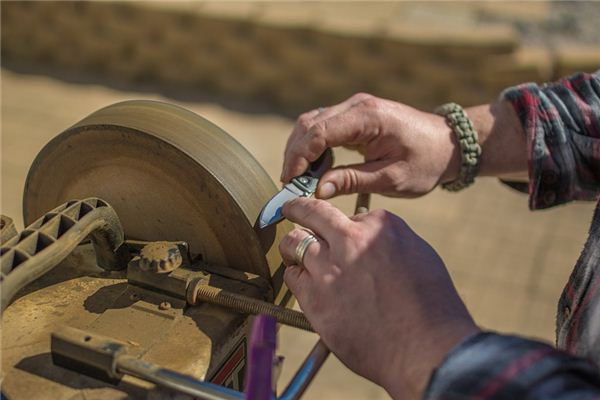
[467,138]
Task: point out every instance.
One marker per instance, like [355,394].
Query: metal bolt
[165,305]
[134,297]
[247,305]
[303,179]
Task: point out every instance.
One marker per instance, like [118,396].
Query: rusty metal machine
[140,264]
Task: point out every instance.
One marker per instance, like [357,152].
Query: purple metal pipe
[261,353]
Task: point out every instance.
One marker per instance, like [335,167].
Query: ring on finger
[322,109]
[302,246]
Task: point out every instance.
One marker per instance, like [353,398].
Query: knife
[304,185]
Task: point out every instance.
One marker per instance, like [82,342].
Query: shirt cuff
[561,121]
[488,365]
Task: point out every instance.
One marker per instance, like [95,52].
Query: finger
[317,215]
[313,255]
[357,125]
[298,281]
[369,177]
[303,125]
[328,112]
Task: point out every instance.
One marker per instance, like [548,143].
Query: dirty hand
[378,294]
[407,152]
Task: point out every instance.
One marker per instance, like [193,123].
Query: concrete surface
[295,55]
[508,264]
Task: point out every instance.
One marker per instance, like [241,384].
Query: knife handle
[317,168]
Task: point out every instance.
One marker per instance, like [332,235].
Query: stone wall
[288,64]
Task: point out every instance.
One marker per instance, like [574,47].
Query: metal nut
[160,257]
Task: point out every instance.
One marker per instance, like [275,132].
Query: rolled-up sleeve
[493,366]
[562,124]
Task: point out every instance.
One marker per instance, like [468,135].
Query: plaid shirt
[562,123]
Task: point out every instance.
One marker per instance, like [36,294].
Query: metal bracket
[80,351]
[107,359]
[178,281]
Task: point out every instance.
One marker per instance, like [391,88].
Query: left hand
[378,294]
[407,152]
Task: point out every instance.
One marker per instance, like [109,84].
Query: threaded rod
[248,305]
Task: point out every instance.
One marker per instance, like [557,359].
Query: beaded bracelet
[462,127]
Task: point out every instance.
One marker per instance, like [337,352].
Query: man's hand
[378,294]
[407,152]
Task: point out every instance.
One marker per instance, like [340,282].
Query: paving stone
[522,11]
[571,59]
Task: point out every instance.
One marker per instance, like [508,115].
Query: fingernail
[327,190]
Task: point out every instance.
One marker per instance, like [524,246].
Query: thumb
[358,178]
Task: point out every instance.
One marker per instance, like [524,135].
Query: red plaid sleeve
[562,123]
[489,366]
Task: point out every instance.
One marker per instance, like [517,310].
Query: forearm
[502,139]
[547,134]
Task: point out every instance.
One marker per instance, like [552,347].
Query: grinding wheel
[170,175]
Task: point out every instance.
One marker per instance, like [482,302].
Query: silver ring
[302,246]
[322,109]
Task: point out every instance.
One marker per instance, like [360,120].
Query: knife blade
[304,185]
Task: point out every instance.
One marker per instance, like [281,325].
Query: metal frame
[99,356]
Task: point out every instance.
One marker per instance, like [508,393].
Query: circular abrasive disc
[170,175]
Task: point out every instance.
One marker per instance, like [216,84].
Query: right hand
[407,152]
[378,295]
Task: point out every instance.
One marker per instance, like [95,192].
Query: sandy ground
[508,264]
